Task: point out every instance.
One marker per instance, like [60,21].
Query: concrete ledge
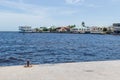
[103,70]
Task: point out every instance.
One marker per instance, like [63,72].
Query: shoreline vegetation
[100,70]
[67,30]
[83,29]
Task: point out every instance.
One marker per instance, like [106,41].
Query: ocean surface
[51,48]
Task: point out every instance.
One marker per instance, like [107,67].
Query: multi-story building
[81,29]
[25,29]
[84,29]
[63,29]
[96,30]
[74,30]
[116,28]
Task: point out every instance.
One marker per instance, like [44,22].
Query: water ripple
[42,48]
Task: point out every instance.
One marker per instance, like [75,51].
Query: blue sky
[36,13]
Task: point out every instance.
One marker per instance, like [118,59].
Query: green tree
[104,29]
[52,29]
[45,29]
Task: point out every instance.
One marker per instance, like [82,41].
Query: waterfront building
[84,29]
[35,30]
[25,29]
[96,30]
[81,29]
[116,28]
[63,29]
[110,29]
[74,30]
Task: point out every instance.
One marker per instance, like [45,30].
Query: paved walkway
[106,70]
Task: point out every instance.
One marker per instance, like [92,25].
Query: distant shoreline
[55,32]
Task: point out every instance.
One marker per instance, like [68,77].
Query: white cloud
[11,21]
[21,13]
[35,9]
[20,6]
[74,1]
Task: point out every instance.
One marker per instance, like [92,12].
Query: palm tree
[83,24]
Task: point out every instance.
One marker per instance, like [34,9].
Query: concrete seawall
[103,70]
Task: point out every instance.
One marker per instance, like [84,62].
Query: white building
[25,29]
[116,28]
[81,29]
[84,29]
[96,30]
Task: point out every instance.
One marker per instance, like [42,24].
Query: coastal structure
[99,70]
[74,30]
[96,30]
[25,29]
[63,29]
[116,28]
[84,29]
[81,30]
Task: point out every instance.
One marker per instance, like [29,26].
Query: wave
[10,59]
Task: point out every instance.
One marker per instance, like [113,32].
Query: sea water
[50,48]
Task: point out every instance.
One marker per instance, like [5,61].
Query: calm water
[42,48]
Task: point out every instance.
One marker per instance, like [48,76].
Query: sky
[37,13]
